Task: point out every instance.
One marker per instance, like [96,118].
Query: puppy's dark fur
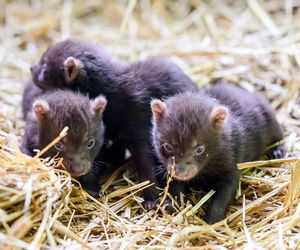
[83,66]
[31,92]
[46,116]
[204,135]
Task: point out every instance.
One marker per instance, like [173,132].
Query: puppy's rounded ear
[41,109]
[158,108]
[218,116]
[98,104]
[72,67]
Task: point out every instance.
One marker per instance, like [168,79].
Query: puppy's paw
[150,204]
[168,206]
[276,153]
[212,219]
[92,193]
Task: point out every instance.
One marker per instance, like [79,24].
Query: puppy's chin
[77,174]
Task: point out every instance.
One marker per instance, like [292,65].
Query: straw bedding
[254,44]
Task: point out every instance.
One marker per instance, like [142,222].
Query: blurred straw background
[254,44]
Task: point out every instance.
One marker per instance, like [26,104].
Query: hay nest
[254,44]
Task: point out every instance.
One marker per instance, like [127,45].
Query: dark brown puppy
[204,135]
[53,111]
[78,65]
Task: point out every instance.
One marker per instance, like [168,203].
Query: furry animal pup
[204,135]
[50,113]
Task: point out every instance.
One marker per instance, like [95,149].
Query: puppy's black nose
[32,67]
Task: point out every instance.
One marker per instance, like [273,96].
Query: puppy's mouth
[78,170]
[77,174]
[185,174]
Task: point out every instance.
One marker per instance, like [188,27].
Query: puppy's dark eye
[90,144]
[168,148]
[199,150]
[59,146]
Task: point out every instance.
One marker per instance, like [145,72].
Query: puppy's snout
[78,168]
[180,168]
[33,68]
